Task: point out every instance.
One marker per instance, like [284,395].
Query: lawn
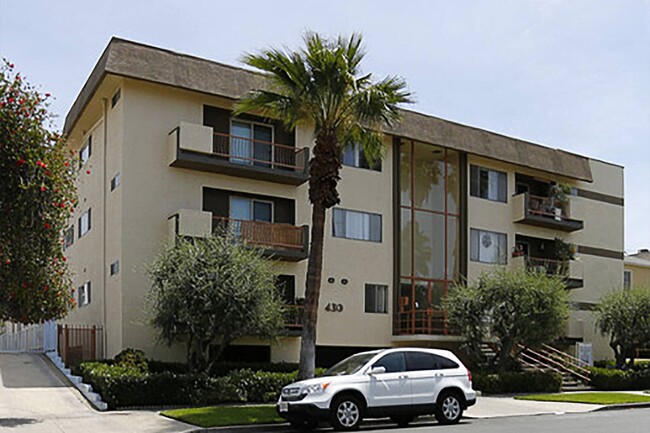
[216,416]
[589,397]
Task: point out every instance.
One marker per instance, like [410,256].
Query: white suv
[397,383]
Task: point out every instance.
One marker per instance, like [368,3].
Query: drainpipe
[105,228]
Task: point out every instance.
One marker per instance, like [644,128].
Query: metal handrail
[280,155]
[572,360]
[552,361]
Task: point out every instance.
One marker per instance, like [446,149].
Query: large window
[84,223]
[84,294]
[376,299]
[429,184]
[488,184]
[361,226]
[250,143]
[488,247]
[354,156]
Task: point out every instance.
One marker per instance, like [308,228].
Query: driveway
[34,398]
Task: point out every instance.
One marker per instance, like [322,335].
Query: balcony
[280,241]
[570,270]
[293,318]
[198,147]
[543,212]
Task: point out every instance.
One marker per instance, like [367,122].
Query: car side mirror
[377,370]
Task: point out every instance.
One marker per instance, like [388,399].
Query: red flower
[43,188]
[20,162]
[47,95]
[10,100]
[67,164]
[61,205]
[47,226]
[87,171]
[23,285]
[45,288]
[11,65]
[7,262]
[11,295]
[64,258]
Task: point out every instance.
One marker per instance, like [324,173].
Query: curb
[623,406]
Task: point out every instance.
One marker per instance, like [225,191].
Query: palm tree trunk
[312,294]
[323,178]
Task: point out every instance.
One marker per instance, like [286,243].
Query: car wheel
[303,424]
[346,413]
[449,408]
[402,420]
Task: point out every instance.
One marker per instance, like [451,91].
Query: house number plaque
[333,307]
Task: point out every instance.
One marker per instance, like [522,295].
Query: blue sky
[568,74]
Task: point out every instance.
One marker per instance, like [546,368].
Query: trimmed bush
[516,382]
[610,379]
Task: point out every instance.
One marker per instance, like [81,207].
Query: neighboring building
[161,155]
[636,271]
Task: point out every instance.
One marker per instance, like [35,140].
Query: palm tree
[322,86]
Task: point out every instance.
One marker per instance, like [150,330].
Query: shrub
[609,379]
[132,358]
[516,382]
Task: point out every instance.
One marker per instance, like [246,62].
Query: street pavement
[35,398]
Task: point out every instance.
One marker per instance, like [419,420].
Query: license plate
[283,406]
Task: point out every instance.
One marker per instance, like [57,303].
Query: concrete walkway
[34,398]
[495,407]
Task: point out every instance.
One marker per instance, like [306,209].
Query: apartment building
[161,155]
[636,269]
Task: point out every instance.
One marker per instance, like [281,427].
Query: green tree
[625,317]
[322,85]
[513,308]
[209,292]
[37,195]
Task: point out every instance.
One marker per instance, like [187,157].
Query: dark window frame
[360,160]
[475,255]
[86,147]
[476,184]
[377,239]
[83,233]
[377,290]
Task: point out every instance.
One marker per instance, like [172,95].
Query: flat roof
[144,62]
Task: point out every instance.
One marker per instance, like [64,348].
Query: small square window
[376,300]
[84,223]
[361,226]
[488,247]
[115,267]
[84,294]
[84,153]
[116,98]
[115,182]
[68,237]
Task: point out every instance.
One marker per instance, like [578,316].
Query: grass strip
[589,397]
[216,416]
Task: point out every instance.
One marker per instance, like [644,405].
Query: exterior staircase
[575,375]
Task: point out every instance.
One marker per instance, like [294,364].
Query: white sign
[585,353]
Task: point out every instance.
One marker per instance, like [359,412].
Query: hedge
[516,382]
[609,379]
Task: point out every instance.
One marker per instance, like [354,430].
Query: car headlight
[315,388]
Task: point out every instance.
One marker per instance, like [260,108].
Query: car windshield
[350,365]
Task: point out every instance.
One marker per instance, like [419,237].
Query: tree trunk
[312,295]
[323,179]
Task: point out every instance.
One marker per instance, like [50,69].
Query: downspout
[105,227]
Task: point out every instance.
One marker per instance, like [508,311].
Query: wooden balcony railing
[263,234]
[293,317]
[247,151]
[420,322]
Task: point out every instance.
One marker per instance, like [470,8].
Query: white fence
[29,338]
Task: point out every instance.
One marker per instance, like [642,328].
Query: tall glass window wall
[430,222]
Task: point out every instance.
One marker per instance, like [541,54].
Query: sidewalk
[496,407]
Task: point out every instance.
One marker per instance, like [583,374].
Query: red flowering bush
[37,195]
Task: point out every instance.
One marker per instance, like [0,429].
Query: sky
[569,74]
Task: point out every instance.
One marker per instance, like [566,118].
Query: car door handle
[403,376]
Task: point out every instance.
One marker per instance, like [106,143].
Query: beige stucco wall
[603,228]
[640,275]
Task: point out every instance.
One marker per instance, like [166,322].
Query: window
[393,362]
[488,247]
[115,182]
[116,98]
[376,298]
[248,209]
[84,223]
[488,184]
[84,294]
[250,143]
[85,151]
[286,285]
[115,267]
[418,361]
[627,280]
[354,156]
[356,225]
[68,237]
